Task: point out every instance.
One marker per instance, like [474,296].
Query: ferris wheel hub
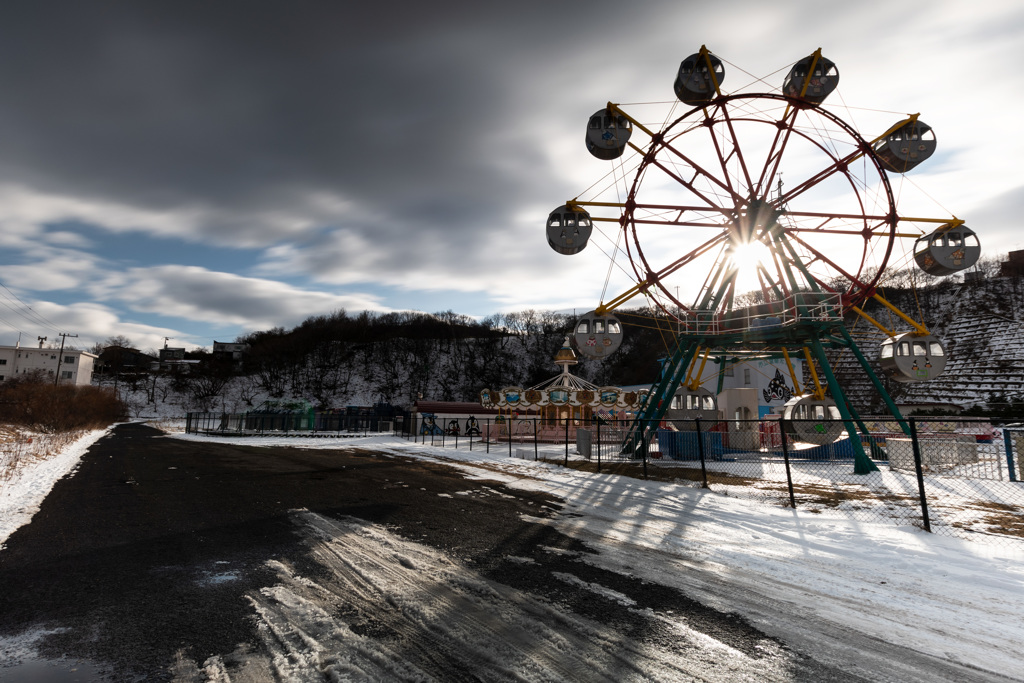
[757,218]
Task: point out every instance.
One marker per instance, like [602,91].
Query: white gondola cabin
[812,420]
[821,79]
[694,84]
[906,147]
[607,134]
[598,336]
[911,357]
[689,405]
[569,230]
[947,250]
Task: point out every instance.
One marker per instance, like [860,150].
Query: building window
[746,375]
[66,374]
[3,361]
[69,359]
[1,378]
[729,370]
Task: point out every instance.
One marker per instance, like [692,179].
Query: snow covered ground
[30,464]
[953,599]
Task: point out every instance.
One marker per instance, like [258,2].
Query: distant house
[1014,265]
[121,359]
[229,351]
[70,366]
[172,359]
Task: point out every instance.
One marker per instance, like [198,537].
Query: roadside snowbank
[23,488]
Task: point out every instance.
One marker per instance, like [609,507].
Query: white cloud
[195,293]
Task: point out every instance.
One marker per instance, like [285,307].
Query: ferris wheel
[757,221]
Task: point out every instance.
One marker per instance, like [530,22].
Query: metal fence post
[1008,442]
[487,435]
[598,444]
[566,442]
[920,474]
[700,450]
[789,474]
[644,445]
[535,439]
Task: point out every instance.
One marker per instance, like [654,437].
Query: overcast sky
[200,170]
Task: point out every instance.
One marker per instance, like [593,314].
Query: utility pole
[60,358]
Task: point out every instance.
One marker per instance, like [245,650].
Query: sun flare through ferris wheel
[756,221]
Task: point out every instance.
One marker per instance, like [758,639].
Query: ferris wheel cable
[615,251]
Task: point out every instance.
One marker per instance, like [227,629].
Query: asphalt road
[150,555]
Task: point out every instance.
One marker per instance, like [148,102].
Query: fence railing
[956,477]
[295,423]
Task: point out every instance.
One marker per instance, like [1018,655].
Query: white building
[769,378]
[70,366]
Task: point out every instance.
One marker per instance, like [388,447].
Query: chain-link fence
[954,477]
[957,477]
[295,423]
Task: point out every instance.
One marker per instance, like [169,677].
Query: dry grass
[20,447]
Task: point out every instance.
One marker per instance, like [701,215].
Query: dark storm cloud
[230,107]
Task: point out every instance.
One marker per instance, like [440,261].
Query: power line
[33,317]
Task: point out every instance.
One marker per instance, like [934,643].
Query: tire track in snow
[377,607]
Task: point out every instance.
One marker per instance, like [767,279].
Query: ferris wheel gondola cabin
[819,75]
[689,405]
[598,336]
[809,419]
[947,250]
[694,83]
[912,357]
[569,230]
[906,147]
[607,134]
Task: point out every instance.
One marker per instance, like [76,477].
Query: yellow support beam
[605,308]
[706,54]
[575,204]
[614,109]
[819,391]
[919,329]
[953,222]
[695,384]
[895,127]
[883,328]
[810,72]
[792,373]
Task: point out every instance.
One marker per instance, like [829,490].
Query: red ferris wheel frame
[734,200]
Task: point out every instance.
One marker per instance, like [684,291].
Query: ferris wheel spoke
[739,152]
[853,279]
[782,135]
[842,216]
[698,171]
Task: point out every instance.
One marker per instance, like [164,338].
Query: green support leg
[862,464]
[660,396]
[877,383]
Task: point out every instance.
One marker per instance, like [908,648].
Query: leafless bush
[31,401]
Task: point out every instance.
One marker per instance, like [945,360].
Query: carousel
[565,396]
